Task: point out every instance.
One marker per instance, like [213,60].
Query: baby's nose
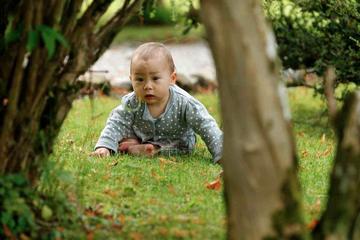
[148,85]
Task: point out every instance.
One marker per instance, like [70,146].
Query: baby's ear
[173,78]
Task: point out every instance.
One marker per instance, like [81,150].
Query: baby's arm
[205,125]
[118,126]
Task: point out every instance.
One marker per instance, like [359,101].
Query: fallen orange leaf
[24,237]
[311,225]
[179,233]
[164,232]
[111,193]
[121,218]
[171,189]
[136,236]
[327,152]
[155,175]
[90,235]
[214,185]
[301,134]
[166,161]
[304,153]
[8,232]
[107,176]
[94,211]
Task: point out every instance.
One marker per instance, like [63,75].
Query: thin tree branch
[35,61]
[70,16]
[44,85]
[56,11]
[93,13]
[119,18]
[95,43]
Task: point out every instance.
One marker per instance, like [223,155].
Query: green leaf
[32,40]
[19,180]
[46,212]
[12,36]
[49,41]
[50,36]
[61,39]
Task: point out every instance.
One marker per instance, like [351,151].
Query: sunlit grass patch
[160,197]
[315,143]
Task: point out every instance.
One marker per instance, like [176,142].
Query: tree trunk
[341,219]
[261,187]
[262,190]
[36,90]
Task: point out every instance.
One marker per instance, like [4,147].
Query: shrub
[317,34]
[26,213]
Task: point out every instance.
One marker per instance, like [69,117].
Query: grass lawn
[124,197]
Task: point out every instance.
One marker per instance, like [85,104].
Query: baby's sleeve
[205,125]
[118,126]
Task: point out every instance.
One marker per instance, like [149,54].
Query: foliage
[49,37]
[317,34]
[177,13]
[26,213]
[38,77]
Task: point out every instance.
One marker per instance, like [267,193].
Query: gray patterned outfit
[173,131]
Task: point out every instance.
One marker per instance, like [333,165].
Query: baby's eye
[139,79]
[156,78]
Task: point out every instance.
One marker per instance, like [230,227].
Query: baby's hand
[101,152]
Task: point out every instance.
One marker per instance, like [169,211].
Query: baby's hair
[150,49]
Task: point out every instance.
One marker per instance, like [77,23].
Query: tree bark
[262,190]
[36,93]
[341,219]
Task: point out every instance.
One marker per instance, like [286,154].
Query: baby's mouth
[149,96]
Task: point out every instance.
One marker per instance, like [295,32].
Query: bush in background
[317,34]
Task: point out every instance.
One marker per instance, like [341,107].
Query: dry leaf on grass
[111,193]
[122,219]
[179,233]
[323,138]
[90,235]
[312,224]
[155,175]
[24,237]
[325,153]
[214,185]
[166,161]
[171,189]
[136,236]
[94,211]
[8,232]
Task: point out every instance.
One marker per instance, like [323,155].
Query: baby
[158,117]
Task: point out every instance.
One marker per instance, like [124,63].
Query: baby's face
[151,79]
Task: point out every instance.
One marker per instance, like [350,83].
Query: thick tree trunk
[36,92]
[262,190]
[341,219]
